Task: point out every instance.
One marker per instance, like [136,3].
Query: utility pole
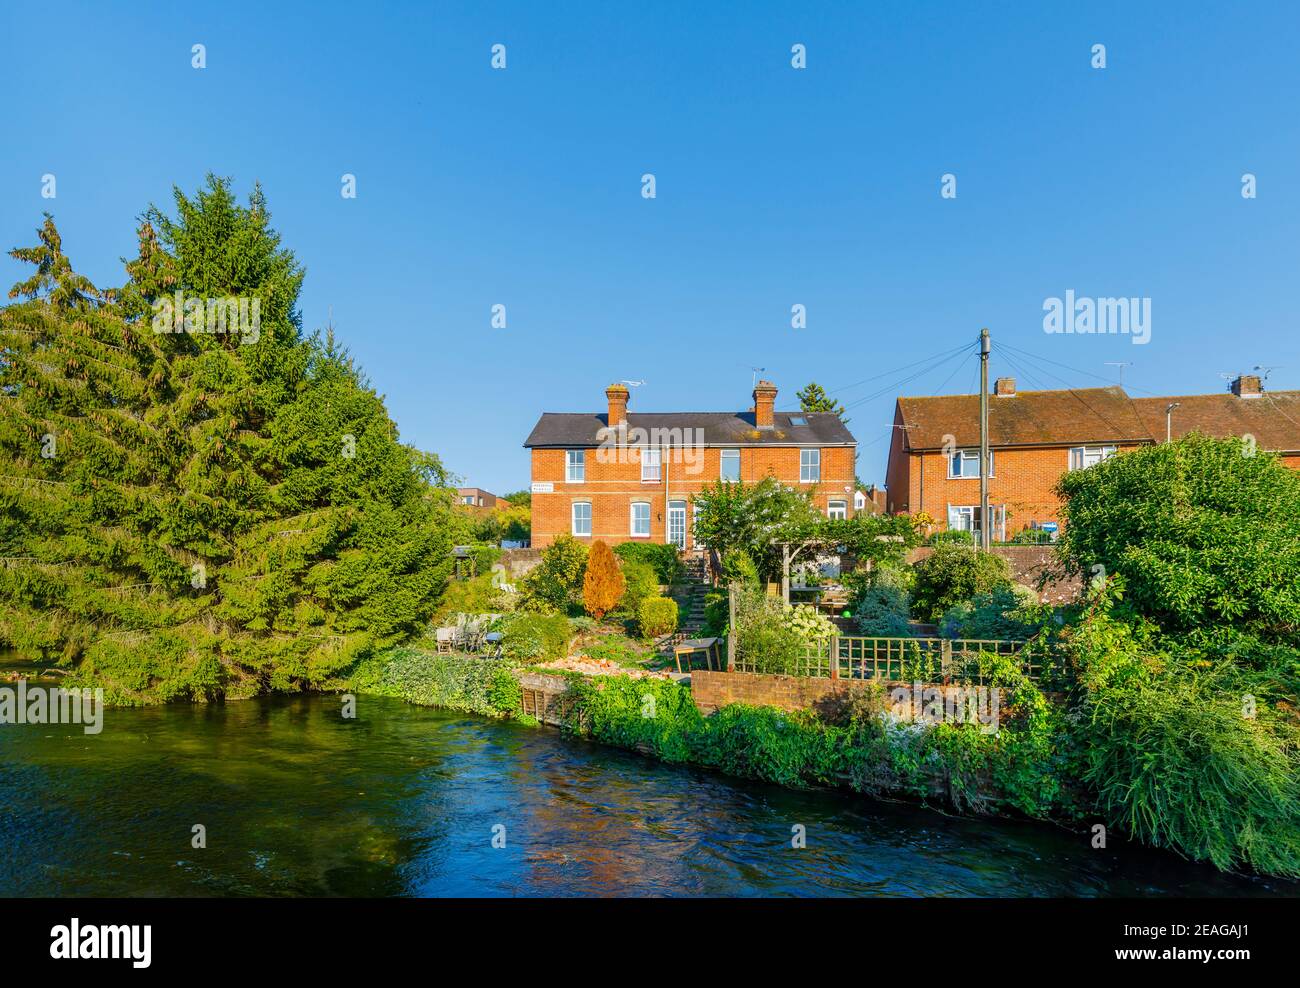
[986,529]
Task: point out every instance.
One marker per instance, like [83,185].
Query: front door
[677,523]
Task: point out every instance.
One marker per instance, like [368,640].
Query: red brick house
[1036,436]
[622,476]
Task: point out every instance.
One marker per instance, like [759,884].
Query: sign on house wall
[543,487]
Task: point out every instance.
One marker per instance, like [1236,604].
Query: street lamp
[1169,419]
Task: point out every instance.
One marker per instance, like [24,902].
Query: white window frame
[573,519]
[572,458]
[1079,455]
[723,457]
[967,456]
[840,512]
[631,519]
[810,473]
[651,464]
[966,511]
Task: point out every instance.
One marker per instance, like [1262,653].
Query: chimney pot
[1247,386]
[617,396]
[1004,386]
[764,403]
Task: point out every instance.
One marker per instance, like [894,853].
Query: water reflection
[402,801]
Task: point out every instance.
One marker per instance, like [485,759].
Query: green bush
[448,681]
[535,637]
[1002,613]
[952,536]
[1205,532]
[555,584]
[952,574]
[882,611]
[658,616]
[738,567]
[640,583]
[475,595]
[664,559]
[1178,760]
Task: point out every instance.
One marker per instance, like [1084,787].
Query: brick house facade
[1036,436]
[624,476]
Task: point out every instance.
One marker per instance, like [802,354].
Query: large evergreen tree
[201,514]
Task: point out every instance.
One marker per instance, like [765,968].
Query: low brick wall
[712,690]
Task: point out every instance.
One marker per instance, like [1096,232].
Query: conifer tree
[221,513]
[602,586]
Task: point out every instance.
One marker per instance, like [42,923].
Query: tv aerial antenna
[757,371]
[1121,364]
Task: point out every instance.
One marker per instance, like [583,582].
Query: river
[295,799]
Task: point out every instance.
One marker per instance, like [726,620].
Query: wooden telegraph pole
[986,529]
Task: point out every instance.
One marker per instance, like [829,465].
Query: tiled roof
[1273,418]
[1097,415]
[1027,418]
[571,430]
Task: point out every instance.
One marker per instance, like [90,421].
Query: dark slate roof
[571,430]
[1096,415]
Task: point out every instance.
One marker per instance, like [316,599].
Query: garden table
[705,645]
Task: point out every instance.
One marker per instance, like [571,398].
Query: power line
[911,377]
[890,373]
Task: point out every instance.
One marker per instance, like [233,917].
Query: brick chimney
[764,401]
[617,395]
[1247,386]
[1005,387]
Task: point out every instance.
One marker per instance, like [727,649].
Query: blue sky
[775,187]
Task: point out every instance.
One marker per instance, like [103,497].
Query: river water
[295,799]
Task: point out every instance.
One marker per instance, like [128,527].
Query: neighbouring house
[1036,436]
[623,476]
[475,497]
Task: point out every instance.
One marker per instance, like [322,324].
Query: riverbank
[1035,766]
[402,800]
[1016,772]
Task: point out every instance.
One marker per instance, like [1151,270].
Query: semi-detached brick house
[623,476]
[1036,436]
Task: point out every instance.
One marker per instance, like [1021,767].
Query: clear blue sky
[775,187]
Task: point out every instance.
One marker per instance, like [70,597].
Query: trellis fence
[961,660]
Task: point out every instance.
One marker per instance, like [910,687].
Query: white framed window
[575,466]
[837,509]
[966,463]
[961,517]
[1082,457]
[730,469]
[651,457]
[582,518]
[640,522]
[810,466]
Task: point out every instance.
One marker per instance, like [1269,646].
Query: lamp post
[1169,420]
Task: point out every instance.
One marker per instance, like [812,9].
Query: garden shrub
[1178,760]
[952,536]
[555,584]
[664,559]
[535,637]
[658,616]
[1003,613]
[452,682]
[882,611]
[602,586]
[475,595]
[952,574]
[640,581]
[1205,532]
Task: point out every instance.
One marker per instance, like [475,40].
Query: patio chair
[446,638]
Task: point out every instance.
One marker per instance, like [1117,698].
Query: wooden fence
[963,660]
